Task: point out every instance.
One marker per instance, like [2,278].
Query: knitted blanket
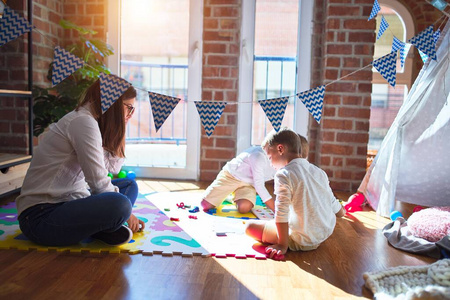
[429,282]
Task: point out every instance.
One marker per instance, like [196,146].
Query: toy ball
[131,175]
[122,174]
[110,175]
[395,214]
[417,208]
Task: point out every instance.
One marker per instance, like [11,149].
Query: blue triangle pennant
[274,110]
[436,36]
[210,113]
[424,41]
[404,53]
[64,64]
[375,9]
[162,107]
[383,26]
[386,65]
[313,100]
[12,26]
[111,88]
[397,44]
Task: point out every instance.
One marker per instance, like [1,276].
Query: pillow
[431,224]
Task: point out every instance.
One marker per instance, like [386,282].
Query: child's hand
[276,251]
[135,224]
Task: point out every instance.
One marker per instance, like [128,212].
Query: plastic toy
[193,217]
[166,209]
[110,175]
[174,219]
[417,208]
[354,202]
[395,214]
[131,175]
[122,174]
[180,205]
[194,210]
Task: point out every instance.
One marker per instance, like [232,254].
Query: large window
[386,100]
[271,35]
[158,44]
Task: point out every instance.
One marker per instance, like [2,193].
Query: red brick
[337,149]
[337,124]
[337,161]
[352,137]
[219,153]
[325,160]
[356,162]
[225,143]
[209,23]
[93,9]
[214,48]
[361,37]
[209,165]
[339,49]
[222,60]
[344,10]
[357,113]
[225,11]
[340,87]
[217,83]
[216,36]
[229,24]
[359,24]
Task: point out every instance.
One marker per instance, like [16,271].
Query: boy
[244,175]
[305,207]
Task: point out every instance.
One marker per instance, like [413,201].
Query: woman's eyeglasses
[130,108]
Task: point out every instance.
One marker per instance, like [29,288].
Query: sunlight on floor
[288,277]
[370,219]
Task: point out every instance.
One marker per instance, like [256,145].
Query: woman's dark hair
[112,122]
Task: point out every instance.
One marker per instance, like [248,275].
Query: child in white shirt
[305,206]
[244,175]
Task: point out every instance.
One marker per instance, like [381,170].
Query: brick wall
[220,81]
[14,76]
[346,44]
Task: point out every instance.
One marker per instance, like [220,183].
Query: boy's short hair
[284,136]
[304,146]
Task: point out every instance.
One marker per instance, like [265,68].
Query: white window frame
[192,169]
[301,114]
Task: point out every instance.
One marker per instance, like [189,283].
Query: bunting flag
[404,53]
[12,26]
[313,100]
[386,65]
[436,36]
[397,44]
[64,64]
[375,9]
[274,110]
[424,41]
[111,88]
[383,26]
[210,113]
[162,106]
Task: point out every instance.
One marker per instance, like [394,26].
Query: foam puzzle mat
[169,230]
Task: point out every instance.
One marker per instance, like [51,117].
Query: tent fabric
[412,164]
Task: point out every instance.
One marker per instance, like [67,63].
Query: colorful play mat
[174,226]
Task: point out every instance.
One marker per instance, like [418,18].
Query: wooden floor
[333,271]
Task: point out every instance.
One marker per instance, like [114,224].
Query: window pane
[275,60]
[386,102]
[154,51]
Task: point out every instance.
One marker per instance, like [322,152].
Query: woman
[66,195]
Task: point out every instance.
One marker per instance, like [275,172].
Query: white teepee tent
[413,163]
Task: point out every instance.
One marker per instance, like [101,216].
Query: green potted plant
[51,104]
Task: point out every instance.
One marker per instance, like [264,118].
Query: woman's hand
[135,224]
[276,251]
